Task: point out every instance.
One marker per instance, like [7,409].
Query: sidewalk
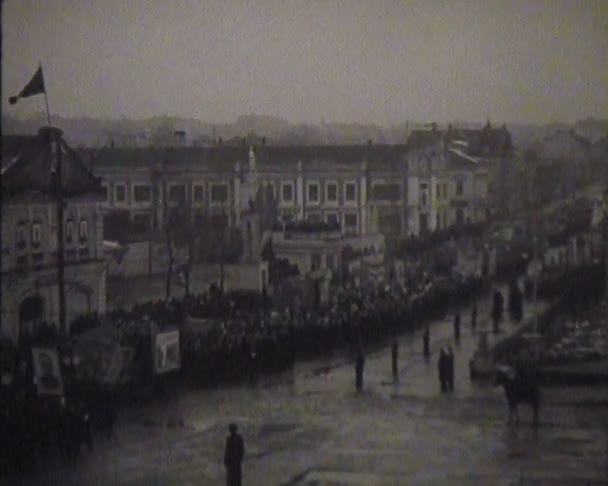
[417,375]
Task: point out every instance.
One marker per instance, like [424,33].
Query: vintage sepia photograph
[304,242]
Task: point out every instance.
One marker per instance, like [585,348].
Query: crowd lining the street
[247,337]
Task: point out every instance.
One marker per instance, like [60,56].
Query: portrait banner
[166,352]
[47,373]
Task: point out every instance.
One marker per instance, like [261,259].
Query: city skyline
[513,62]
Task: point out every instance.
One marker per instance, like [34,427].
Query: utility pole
[54,144]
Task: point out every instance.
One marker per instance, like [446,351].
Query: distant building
[447,186]
[30,292]
[563,163]
[361,190]
[352,186]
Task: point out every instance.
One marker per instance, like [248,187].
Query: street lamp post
[535,287]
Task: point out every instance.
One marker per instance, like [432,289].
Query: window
[219,193]
[350,223]
[386,192]
[438,192]
[333,219]
[330,261]
[120,194]
[21,237]
[198,193]
[287,218]
[142,193]
[106,193]
[177,194]
[315,261]
[287,192]
[83,231]
[350,192]
[459,188]
[314,217]
[331,192]
[459,216]
[439,220]
[36,235]
[423,194]
[313,192]
[69,230]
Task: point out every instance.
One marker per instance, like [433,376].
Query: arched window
[69,230]
[36,235]
[21,237]
[83,231]
[31,309]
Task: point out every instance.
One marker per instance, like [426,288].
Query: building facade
[364,190]
[30,275]
[446,187]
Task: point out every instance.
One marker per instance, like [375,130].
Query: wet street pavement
[310,427]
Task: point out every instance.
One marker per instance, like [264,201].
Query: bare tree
[181,241]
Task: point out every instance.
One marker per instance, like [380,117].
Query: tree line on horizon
[161,131]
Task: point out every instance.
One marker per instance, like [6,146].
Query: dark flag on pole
[34,87]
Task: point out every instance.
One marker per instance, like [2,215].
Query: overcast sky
[352,60]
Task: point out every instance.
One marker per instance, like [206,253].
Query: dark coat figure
[457,326]
[395,358]
[426,338]
[497,309]
[515,302]
[450,369]
[359,365]
[233,457]
[474,316]
[442,366]
[522,387]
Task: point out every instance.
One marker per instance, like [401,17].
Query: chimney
[220,141]
[369,142]
[263,141]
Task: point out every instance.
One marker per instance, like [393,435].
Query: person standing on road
[497,309]
[474,316]
[395,359]
[442,367]
[233,456]
[426,338]
[359,365]
[450,369]
[457,326]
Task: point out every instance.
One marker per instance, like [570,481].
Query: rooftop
[224,158]
[27,165]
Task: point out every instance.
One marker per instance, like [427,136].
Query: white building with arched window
[30,289]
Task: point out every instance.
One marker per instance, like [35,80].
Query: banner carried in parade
[166,352]
[47,374]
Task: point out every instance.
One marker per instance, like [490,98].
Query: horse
[518,388]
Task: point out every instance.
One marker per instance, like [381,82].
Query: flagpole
[46,100]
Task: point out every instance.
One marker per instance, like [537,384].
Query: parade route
[310,427]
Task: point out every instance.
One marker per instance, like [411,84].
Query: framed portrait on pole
[47,373]
[166,352]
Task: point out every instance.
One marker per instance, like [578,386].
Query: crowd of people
[44,425]
[246,337]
